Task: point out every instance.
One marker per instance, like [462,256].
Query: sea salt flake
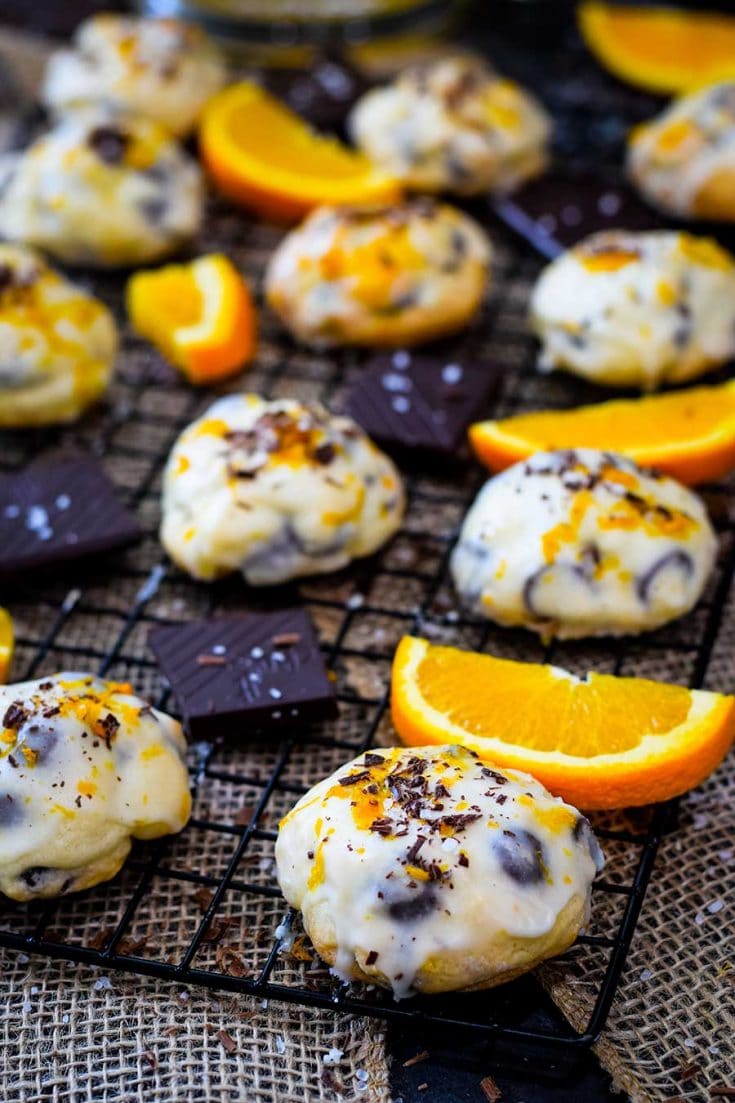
[280,1043]
[219,649]
[256,652]
[333,1056]
[452,373]
[571,215]
[103,985]
[401,359]
[699,919]
[609,204]
[63,501]
[398,384]
[715,907]
[690,1043]
[36,518]
[276,694]
[645,974]
[400,404]
[355,601]
[700,820]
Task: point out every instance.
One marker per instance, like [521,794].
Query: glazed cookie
[379,276]
[57,343]
[637,309]
[427,870]
[276,490]
[163,69]
[101,190]
[453,126]
[85,766]
[683,161]
[583,543]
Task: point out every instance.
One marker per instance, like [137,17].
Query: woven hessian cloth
[73,1034]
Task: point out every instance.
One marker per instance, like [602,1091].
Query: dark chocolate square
[406,400]
[57,510]
[560,208]
[238,676]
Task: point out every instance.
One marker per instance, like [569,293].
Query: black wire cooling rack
[204,907]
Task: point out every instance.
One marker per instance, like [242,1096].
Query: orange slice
[200,315]
[263,155]
[6,643]
[665,50]
[689,434]
[601,742]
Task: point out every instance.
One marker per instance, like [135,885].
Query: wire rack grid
[204,907]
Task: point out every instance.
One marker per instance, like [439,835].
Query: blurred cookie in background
[163,69]
[102,189]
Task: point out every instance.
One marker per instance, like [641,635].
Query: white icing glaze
[277,490]
[84,765]
[415,854]
[57,343]
[163,69]
[673,157]
[101,189]
[637,309]
[583,543]
[453,125]
[388,275]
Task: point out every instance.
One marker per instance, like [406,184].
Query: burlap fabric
[71,1033]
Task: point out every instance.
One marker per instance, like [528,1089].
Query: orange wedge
[6,643]
[200,315]
[688,434]
[601,742]
[261,154]
[666,50]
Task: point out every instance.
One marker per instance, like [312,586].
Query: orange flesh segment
[689,434]
[178,299]
[270,134]
[660,49]
[6,643]
[534,707]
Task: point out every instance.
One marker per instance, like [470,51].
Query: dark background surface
[535,42]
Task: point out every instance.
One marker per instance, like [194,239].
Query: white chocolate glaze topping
[404,856]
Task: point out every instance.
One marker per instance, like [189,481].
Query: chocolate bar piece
[58,510]
[238,676]
[322,94]
[406,400]
[558,209]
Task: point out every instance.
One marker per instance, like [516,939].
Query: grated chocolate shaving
[490,1089]
[227,1041]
